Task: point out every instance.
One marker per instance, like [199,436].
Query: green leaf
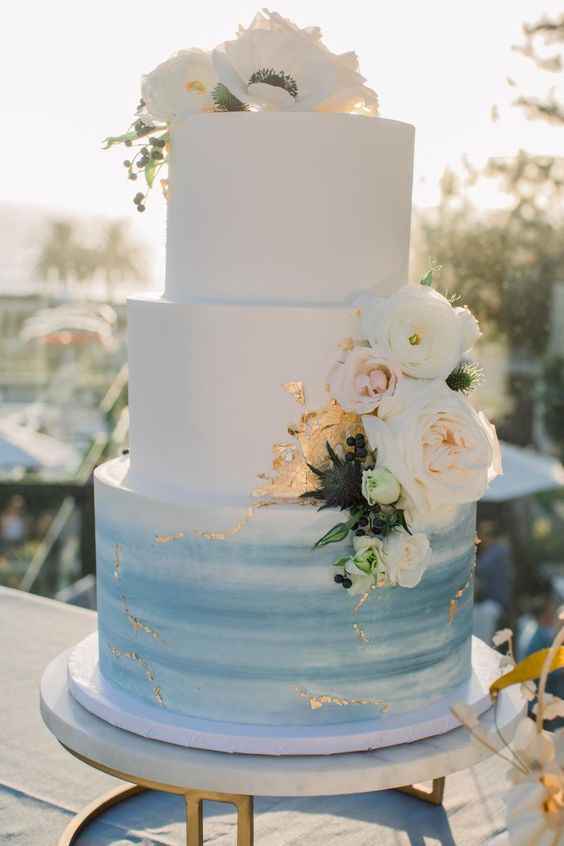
[225,101]
[427,279]
[334,535]
[112,140]
[340,562]
[150,172]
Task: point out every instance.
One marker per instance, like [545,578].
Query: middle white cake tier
[206,394]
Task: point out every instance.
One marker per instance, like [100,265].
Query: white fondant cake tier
[206,400]
[252,628]
[287,208]
[112,704]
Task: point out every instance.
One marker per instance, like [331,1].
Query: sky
[71,72]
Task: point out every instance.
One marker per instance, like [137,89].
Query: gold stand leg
[434,796]
[195,816]
[94,809]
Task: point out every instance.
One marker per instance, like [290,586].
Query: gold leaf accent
[453,604]
[136,623]
[117,560]
[317,701]
[347,344]
[296,390]
[360,633]
[157,693]
[169,538]
[363,599]
[234,530]
[137,659]
[292,476]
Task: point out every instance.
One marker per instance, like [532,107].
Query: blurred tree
[553,401]
[116,258]
[544,45]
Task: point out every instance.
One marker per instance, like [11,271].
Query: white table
[42,786]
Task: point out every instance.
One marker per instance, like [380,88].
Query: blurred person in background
[13,523]
[494,582]
[548,625]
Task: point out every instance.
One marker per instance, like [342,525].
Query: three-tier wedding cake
[285,558]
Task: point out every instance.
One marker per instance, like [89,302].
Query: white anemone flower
[181,85]
[276,66]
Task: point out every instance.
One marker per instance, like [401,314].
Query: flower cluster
[272,65]
[425,449]
[408,379]
[384,551]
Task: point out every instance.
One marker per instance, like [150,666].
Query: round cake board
[116,706]
[259,775]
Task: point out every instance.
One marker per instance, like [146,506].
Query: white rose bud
[379,486]
[406,557]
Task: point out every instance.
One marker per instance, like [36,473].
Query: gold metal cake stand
[194,800]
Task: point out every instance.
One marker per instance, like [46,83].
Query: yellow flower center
[195,86]
[414,339]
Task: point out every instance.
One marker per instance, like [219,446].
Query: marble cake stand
[236,779]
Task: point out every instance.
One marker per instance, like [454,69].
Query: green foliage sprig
[225,101]
[150,143]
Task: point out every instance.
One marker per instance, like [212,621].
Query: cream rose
[181,85]
[418,328]
[441,451]
[380,486]
[363,380]
[366,567]
[406,557]
[275,65]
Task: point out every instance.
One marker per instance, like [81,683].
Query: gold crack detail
[360,633]
[316,702]
[453,604]
[158,695]
[296,390]
[234,530]
[137,659]
[169,538]
[117,560]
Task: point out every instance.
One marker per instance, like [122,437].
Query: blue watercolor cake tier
[251,629]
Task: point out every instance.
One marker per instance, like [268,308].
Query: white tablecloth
[42,786]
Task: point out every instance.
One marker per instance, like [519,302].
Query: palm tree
[59,257]
[119,258]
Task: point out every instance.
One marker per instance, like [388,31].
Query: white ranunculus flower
[366,567]
[406,557]
[380,486]
[363,380]
[442,452]
[419,328]
[275,65]
[181,85]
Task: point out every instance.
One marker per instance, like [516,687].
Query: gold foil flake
[136,623]
[292,476]
[363,599]
[137,659]
[317,701]
[347,344]
[117,560]
[357,312]
[169,538]
[164,188]
[453,604]
[360,633]
[234,530]
[296,390]
[157,693]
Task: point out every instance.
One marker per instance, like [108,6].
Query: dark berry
[127,163]
[139,126]
[350,456]
[128,142]
[361,453]
[133,176]
[138,198]
[339,579]
[363,521]
[360,440]
[157,155]
[125,452]
[144,151]
[347,583]
[140,207]
[351,441]
[360,533]
[142,163]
